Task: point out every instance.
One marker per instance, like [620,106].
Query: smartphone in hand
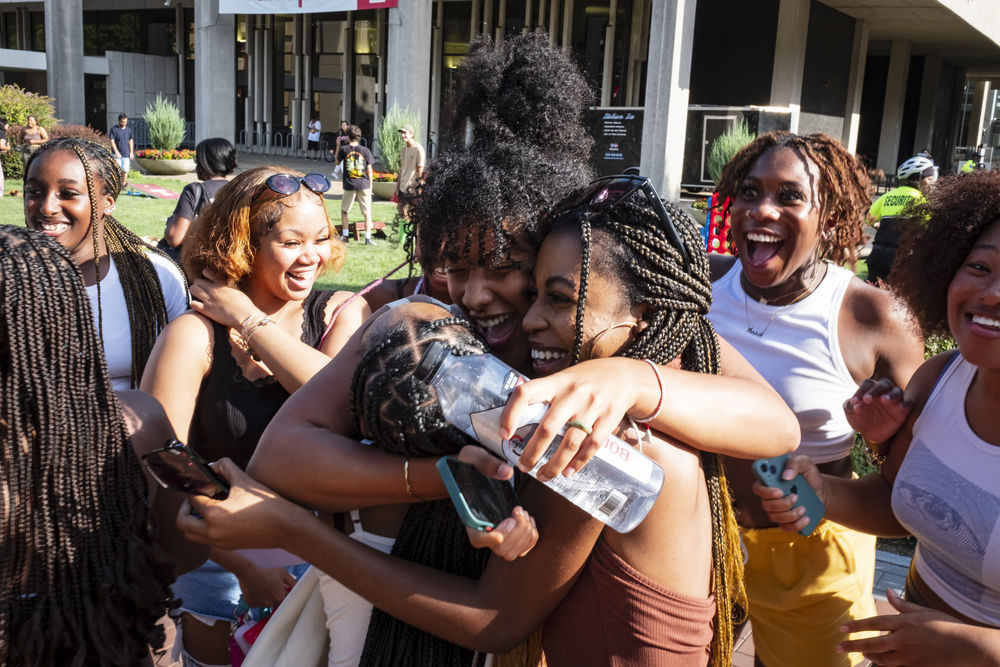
[768,472]
[178,466]
[481,502]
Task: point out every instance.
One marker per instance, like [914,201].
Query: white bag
[338,172]
[296,634]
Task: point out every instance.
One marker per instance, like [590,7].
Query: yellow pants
[802,589]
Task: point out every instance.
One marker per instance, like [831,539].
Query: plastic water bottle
[618,486]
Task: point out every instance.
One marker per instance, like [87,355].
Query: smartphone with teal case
[768,472]
[481,502]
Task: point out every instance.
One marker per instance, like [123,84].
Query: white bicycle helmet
[915,166]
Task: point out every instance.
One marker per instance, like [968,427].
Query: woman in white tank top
[814,331]
[941,441]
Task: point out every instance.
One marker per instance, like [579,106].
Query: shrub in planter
[164,124]
[723,149]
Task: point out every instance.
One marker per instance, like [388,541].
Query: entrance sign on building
[617,133]
[300,6]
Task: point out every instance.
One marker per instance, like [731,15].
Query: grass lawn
[146,217]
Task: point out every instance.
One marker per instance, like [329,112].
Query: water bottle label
[512,381]
[486,429]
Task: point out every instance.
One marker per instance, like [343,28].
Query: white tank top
[796,349]
[947,494]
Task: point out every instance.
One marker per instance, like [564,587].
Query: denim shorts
[212,591]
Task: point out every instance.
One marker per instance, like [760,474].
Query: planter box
[383,189]
[166,167]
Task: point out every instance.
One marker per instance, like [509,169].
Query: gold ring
[576,423]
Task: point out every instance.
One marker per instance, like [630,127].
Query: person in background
[123,145]
[312,147]
[412,160]
[893,210]
[215,159]
[90,544]
[939,443]
[357,163]
[34,136]
[70,191]
[4,148]
[815,332]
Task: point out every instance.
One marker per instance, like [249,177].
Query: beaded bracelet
[872,455]
[659,403]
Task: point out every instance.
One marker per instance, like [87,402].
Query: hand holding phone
[178,466]
[768,472]
[481,502]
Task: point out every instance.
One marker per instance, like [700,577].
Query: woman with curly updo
[70,188]
[815,332]
[222,371]
[941,441]
[88,543]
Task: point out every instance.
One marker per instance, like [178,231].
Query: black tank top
[232,412]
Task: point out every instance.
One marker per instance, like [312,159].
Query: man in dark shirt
[357,164]
[122,144]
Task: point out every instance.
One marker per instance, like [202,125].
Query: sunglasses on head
[605,193]
[286,184]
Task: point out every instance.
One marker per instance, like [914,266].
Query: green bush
[164,125]
[16,104]
[726,146]
[13,164]
[390,144]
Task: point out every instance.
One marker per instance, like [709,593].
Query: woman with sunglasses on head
[674,577]
[88,542]
[815,332]
[223,371]
[940,441]
[70,188]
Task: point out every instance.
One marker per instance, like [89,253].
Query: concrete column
[668,82]
[567,25]
[542,13]
[553,22]
[923,137]
[434,119]
[64,58]
[501,29]
[268,80]
[348,84]
[475,20]
[609,53]
[527,17]
[214,71]
[892,108]
[638,39]
[409,60]
[790,57]
[302,122]
[181,31]
[978,114]
[381,16]
[487,17]
[855,84]
[258,79]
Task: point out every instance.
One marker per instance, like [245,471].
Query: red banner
[300,6]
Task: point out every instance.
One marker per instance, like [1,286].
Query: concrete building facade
[888,77]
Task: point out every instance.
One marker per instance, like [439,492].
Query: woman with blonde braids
[622,286]
[70,188]
[88,543]
[815,332]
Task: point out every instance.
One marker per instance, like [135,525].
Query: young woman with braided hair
[70,188]
[255,336]
[677,574]
[815,332]
[87,541]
